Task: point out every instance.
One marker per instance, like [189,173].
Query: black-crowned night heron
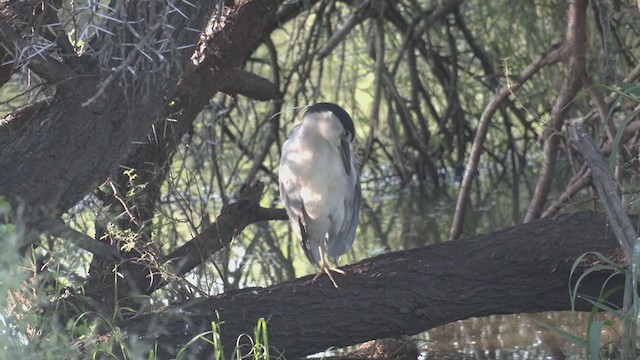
[320,184]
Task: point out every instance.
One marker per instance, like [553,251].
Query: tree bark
[522,269]
[71,144]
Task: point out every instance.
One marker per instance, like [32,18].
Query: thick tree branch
[19,117]
[520,269]
[616,214]
[221,54]
[241,82]
[85,144]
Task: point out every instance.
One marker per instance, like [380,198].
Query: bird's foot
[327,270]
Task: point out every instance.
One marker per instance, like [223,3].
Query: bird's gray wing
[341,242]
[293,203]
[304,238]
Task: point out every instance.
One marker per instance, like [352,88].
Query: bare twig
[581,180]
[356,18]
[550,57]
[118,196]
[377,52]
[574,47]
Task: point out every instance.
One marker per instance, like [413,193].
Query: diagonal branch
[242,82]
[550,57]
[607,192]
[358,16]
[574,45]
[231,221]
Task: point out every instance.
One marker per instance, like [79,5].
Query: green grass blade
[594,339]
[615,147]
[604,307]
[565,335]
[634,269]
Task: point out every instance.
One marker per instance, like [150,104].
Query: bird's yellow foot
[327,270]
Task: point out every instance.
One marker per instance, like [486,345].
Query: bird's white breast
[321,179]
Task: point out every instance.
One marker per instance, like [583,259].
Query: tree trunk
[64,148]
[522,269]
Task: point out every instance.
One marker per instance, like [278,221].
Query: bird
[319,183]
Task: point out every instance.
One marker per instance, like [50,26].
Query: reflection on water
[520,337]
[509,337]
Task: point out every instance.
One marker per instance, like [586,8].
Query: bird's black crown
[339,112]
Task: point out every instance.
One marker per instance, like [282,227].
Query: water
[508,337]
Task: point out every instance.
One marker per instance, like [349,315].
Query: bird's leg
[326,269]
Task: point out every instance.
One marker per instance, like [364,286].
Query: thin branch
[57,228]
[118,196]
[581,180]
[575,61]
[377,51]
[358,16]
[550,57]
[602,7]
[231,221]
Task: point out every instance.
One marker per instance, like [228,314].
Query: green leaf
[604,307]
[594,339]
[615,147]
[565,335]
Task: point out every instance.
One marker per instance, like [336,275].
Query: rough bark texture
[66,148]
[525,268]
[69,146]
[52,153]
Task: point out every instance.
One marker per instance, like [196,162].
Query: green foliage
[603,315]
[259,349]
[623,91]
[36,321]
[28,326]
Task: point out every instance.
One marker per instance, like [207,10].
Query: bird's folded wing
[343,240]
[293,203]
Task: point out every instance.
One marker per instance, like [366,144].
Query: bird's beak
[345,153]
